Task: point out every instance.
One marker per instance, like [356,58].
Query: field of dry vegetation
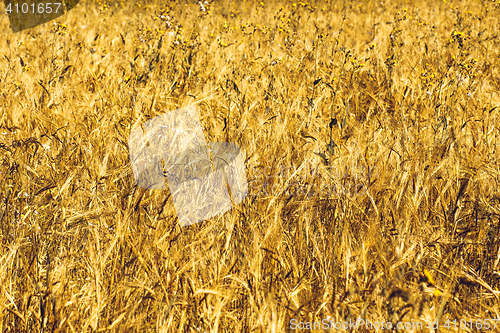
[370,131]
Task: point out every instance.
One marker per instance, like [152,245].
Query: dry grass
[373,191]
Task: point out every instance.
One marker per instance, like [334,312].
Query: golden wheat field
[371,135]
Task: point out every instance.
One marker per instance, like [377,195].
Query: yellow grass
[371,137]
